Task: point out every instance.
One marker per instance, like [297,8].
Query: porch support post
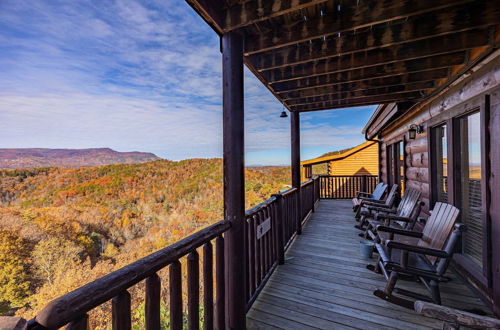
[295,162]
[234,179]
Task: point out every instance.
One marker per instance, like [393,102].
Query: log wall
[467,94]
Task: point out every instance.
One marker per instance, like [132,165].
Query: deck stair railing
[270,227]
[345,186]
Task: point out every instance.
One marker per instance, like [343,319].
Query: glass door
[440,167]
[470,196]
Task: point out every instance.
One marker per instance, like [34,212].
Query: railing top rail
[347,176]
[288,192]
[259,207]
[76,303]
[306,183]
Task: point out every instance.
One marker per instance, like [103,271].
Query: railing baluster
[81,323]
[220,282]
[251,257]
[266,243]
[152,306]
[262,252]
[193,285]
[121,318]
[208,287]
[247,259]
[274,226]
[175,295]
[257,251]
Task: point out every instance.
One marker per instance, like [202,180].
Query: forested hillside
[42,157]
[61,228]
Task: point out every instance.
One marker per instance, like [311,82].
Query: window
[440,168]
[401,159]
[470,196]
[396,164]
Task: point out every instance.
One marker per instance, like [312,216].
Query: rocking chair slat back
[438,227]
[408,202]
[379,191]
[393,194]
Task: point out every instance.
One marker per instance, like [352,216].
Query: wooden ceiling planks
[420,49]
[323,54]
[431,25]
[379,71]
[348,18]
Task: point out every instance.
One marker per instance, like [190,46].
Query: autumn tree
[14,279]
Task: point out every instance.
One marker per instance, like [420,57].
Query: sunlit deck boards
[324,283]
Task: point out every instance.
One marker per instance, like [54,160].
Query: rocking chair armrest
[362,193]
[455,316]
[399,231]
[392,217]
[371,200]
[417,249]
[376,205]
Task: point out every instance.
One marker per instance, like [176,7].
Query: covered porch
[324,283]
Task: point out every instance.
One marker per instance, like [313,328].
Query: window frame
[394,160]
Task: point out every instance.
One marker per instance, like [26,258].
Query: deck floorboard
[324,283]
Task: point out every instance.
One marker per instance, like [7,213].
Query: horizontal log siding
[417,168]
[383,162]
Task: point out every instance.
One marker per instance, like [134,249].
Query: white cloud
[130,75]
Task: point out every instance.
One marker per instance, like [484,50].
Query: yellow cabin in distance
[359,160]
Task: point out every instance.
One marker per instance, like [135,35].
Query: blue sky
[137,75]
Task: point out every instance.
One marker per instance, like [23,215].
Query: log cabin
[433,67]
[359,160]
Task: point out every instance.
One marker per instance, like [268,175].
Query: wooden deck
[324,283]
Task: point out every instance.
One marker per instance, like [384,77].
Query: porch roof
[323,54]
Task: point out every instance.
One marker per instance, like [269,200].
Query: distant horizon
[146,152]
[142,76]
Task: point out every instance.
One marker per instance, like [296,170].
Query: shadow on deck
[324,283]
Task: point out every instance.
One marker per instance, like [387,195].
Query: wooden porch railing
[345,186]
[269,229]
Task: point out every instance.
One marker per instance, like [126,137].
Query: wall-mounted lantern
[414,130]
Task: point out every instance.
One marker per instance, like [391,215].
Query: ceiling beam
[369,100]
[254,11]
[424,64]
[419,49]
[402,79]
[351,17]
[460,19]
[210,11]
[347,94]
[356,96]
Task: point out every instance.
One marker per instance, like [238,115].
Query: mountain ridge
[23,158]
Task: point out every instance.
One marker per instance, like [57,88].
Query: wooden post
[234,181]
[295,163]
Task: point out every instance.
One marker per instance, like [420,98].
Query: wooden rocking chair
[403,217]
[426,260]
[377,194]
[388,203]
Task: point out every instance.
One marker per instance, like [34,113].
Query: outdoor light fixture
[414,130]
[283,113]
